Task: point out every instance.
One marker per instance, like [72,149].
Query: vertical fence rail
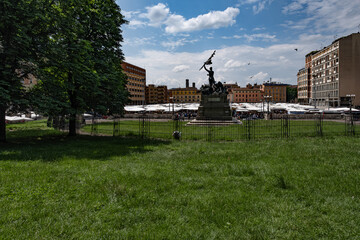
[209,133]
[349,125]
[249,125]
[144,127]
[319,125]
[176,128]
[285,126]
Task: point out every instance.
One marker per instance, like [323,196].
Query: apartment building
[156,94]
[185,95]
[277,91]
[136,83]
[334,73]
[249,94]
[230,88]
[303,86]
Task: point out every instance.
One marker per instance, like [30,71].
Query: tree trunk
[73,104]
[72,125]
[2,124]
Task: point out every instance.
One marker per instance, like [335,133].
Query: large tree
[82,70]
[22,33]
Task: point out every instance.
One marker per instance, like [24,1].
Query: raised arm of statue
[205,68]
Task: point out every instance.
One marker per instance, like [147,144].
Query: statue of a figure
[211,76]
[213,87]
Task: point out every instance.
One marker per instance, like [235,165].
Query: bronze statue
[211,76]
[213,87]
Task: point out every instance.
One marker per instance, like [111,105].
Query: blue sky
[171,39]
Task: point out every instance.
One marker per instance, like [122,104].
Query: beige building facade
[156,94]
[335,73]
[275,91]
[136,83]
[303,86]
[185,95]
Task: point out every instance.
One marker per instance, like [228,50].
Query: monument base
[214,107]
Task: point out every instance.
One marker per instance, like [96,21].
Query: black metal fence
[287,126]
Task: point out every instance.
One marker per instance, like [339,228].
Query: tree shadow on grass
[54,148]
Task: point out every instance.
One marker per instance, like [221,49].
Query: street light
[351,96]
[267,98]
[172,98]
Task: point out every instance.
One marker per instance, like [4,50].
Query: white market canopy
[17,119]
[239,107]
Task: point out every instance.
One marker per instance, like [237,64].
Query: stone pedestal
[214,107]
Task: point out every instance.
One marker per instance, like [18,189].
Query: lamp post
[351,96]
[267,98]
[172,99]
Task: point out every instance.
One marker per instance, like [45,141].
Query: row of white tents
[21,118]
[290,108]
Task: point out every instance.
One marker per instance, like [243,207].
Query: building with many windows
[334,73]
[303,86]
[248,94]
[136,83]
[185,95]
[156,94]
[277,91]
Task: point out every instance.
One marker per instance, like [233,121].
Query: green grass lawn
[258,129]
[30,130]
[124,188]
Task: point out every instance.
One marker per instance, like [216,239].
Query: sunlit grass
[126,188]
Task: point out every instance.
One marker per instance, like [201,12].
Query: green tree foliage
[82,69]
[74,46]
[291,94]
[21,35]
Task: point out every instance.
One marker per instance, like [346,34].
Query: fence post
[318,125]
[285,126]
[248,125]
[209,133]
[176,128]
[349,125]
[144,126]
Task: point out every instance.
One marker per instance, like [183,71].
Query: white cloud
[293,7]
[156,14]
[243,2]
[170,44]
[139,41]
[258,29]
[234,64]
[160,14]
[180,68]
[258,5]
[136,23]
[330,16]
[212,20]
[129,14]
[258,8]
[260,76]
[260,37]
[279,61]
[254,37]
